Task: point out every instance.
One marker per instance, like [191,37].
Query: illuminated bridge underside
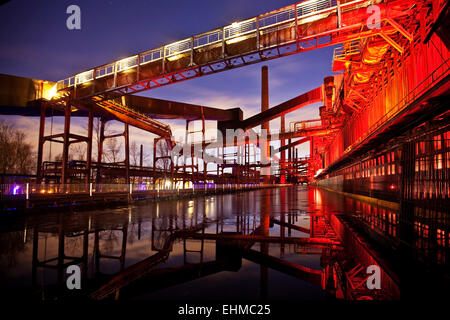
[305,26]
[394,93]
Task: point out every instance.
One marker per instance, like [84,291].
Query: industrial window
[440,237]
[447,139]
[448,160]
[438,161]
[420,147]
[437,142]
[422,164]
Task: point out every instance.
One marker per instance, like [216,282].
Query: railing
[346,49]
[26,190]
[236,29]
[307,124]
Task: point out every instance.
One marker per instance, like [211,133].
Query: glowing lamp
[175,57]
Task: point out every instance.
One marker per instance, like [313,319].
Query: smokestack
[265,146]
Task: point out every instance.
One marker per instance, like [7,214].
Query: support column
[141,162]
[100,150]
[184,154]
[89,146]
[141,157]
[265,145]
[66,144]
[290,160]
[41,144]
[312,162]
[154,163]
[283,153]
[127,154]
[172,164]
[205,164]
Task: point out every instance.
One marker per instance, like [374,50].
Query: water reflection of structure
[210,245]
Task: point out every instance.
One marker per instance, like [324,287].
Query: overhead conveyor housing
[304,26]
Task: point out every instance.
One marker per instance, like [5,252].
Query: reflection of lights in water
[317,197]
[129,215]
[89,223]
[157,210]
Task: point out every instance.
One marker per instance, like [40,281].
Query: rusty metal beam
[293,269]
[293,144]
[165,109]
[293,104]
[259,238]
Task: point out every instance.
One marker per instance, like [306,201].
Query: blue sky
[36,43]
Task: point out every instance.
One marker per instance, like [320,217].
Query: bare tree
[16,155]
[113,147]
[79,151]
[163,150]
[135,154]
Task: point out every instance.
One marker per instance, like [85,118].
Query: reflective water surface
[290,243]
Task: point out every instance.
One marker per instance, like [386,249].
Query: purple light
[142,187]
[16,189]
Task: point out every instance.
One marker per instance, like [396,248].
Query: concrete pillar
[265,145]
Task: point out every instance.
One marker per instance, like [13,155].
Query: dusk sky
[36,43]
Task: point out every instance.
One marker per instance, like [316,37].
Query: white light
[50,93]
[235,24]
[238,39]
[175,57]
